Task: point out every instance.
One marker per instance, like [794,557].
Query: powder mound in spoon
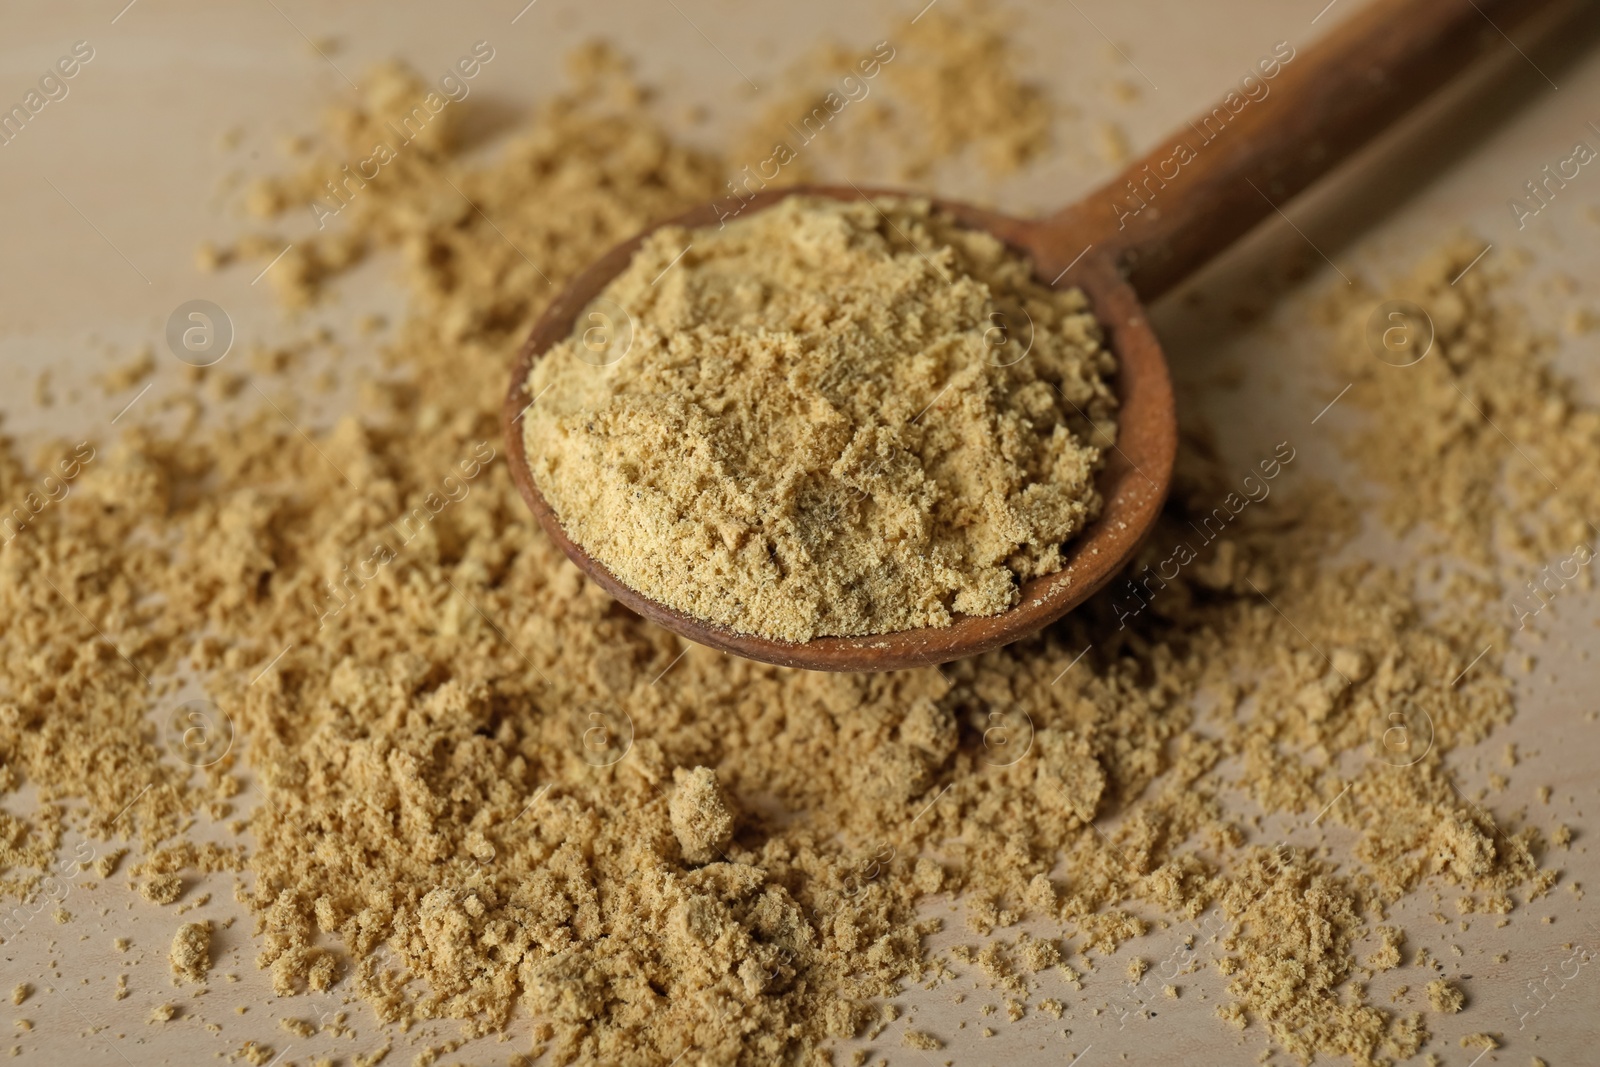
[825,418]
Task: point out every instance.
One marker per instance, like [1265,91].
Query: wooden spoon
[1300,113]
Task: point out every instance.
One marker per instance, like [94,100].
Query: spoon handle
[1296,116]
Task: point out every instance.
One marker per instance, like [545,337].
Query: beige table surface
[106,194]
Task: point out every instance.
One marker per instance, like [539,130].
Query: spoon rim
[1133,483]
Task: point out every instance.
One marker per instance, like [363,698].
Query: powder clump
[1445,996]
[191,951]
[162,889]
[701,820]
[825,418]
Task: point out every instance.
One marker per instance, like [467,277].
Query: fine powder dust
[825,418]
[488,791]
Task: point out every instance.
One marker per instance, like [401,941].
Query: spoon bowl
[1133,483]
[1299,114]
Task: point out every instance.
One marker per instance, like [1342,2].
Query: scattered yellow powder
[162,889]
[1297,921]
[960,80]
[941,90]
[256,1054]
[131,373]
[371,1059]
[106,864]
[827,418]
[162,1013]
[1387,955]
[435,831]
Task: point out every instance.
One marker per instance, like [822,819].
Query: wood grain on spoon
[1128,242]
